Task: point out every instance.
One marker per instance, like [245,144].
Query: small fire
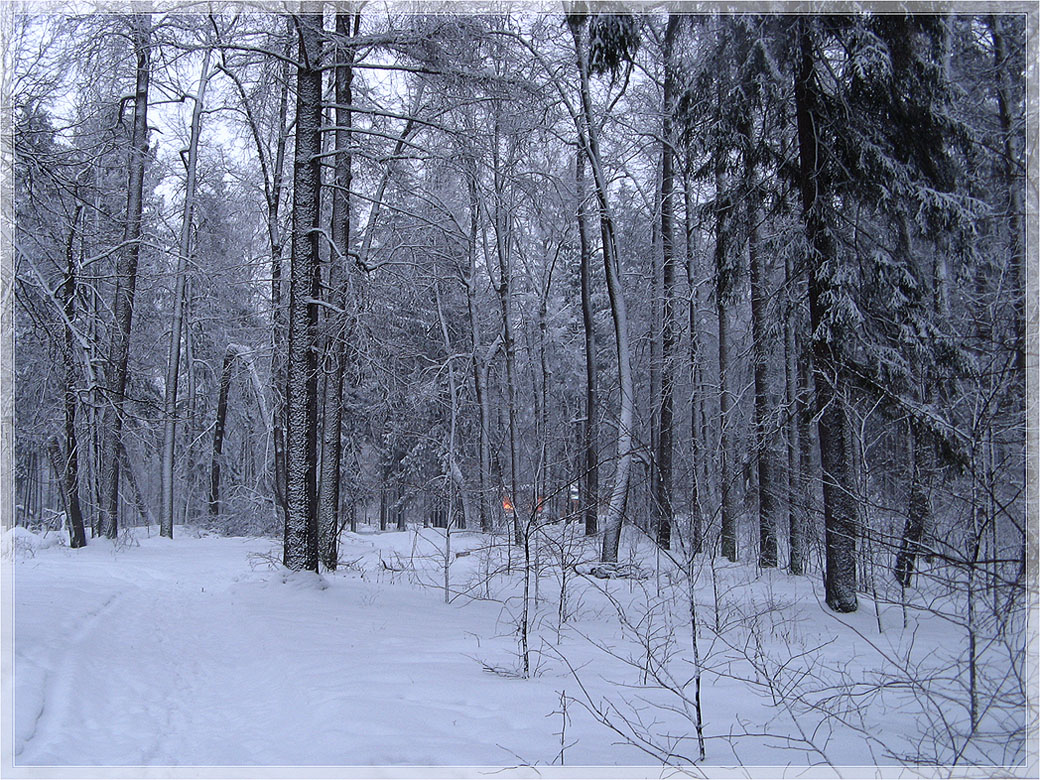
[507,505]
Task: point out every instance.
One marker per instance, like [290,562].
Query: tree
[824,288]
[173,370]
[126,282]
[301,393]
[70,470]
[590,485]
[608,55]
[663,499]
[339,281]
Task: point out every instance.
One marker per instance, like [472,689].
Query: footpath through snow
[182,654]
[204,652]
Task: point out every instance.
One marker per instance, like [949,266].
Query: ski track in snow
[182,653]
[195,662]
[59,676]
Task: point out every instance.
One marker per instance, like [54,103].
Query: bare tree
[173,370]
[126,283]
[589,142]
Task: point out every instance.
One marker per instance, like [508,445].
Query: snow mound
[305,580]
[20,540]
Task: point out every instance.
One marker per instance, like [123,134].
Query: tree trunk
[143,510]
[70,467]
[696,399]
[301,532]
[218,432]
[339,281]
[654,334]
[765,450]
[480,361]
[588,138]
[1010,160]
[590,434]
[126,283]
[176,323]
[795,478]
[668,336]
[838,507]
[723,285]
[278,319]
[503,240]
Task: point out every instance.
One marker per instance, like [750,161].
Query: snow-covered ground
[203,651]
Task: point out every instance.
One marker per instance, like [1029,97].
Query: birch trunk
[588,138]
[176,323]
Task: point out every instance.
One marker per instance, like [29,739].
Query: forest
[696,341]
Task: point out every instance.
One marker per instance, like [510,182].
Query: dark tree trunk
[668,336]
[1012,183]
[480,361]
[503,244]
[808,451]
[765,450]
[919,509]
[218,433]
[301,534]
[723,285]
[332,445]
[126,283]
[795,478]
[838,507]
[70,467]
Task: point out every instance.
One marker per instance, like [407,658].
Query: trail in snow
[202,651]
[179,654]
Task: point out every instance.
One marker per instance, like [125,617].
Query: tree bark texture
[668,330]
[795,478]
[301,524]
[339,282]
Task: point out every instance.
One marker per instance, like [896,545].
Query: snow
[204,651]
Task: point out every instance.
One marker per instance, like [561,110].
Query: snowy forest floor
[203,651]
